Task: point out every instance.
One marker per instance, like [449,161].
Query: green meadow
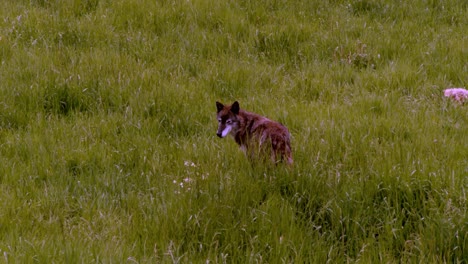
[108,147]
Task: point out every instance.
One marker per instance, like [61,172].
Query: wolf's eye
[219,120]
[229,122]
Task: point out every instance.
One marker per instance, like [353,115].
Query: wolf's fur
[255,134]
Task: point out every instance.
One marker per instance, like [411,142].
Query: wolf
[257,136]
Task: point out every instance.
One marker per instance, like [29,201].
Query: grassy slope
[107,131]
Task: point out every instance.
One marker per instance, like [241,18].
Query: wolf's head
[228,123]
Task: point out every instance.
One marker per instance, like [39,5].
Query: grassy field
[108,147]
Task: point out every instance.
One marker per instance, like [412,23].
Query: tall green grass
[108,150]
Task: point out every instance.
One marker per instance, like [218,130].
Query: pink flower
[457,94]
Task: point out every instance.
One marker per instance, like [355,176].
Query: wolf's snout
[219,135]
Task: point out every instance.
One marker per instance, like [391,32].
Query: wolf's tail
[288,154]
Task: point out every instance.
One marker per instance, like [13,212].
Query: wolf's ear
[219,106]
[235,108]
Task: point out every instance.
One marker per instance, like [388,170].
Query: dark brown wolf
[255,134]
